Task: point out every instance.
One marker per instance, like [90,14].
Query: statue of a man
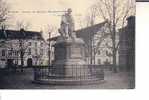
[67,25]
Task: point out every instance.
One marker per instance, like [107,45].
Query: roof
[88,32]
[15,34]
[91,29]
[53,38]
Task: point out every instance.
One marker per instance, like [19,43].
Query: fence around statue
[47,75]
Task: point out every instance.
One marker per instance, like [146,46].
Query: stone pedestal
[70,52]
[70,58]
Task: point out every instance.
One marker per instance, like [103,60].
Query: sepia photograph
[67,44]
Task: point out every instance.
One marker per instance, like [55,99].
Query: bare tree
[94,44]
[3,16]
[3,11]
[90,21]
[49,30]
[91,16]
[101,39]
[116,12]
[22,26]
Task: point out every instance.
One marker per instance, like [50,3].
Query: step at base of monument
[69,81]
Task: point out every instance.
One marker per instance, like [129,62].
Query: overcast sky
[40,20]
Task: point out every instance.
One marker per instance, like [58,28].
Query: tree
[90,21]
[100,40]
[3,11]
[22,26]
[94,44]
[49,30]
[4,14]
[116,12]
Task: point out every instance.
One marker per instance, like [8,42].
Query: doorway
[29,62]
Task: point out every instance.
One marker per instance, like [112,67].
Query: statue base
[70,67]
[69,58]
[70,51]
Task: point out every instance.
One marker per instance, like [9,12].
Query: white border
[142,80]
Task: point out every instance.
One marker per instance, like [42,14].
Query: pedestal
[70,59]
[70,52]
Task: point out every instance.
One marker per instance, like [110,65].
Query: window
[99,52]
[35,44]
[29,51]
[3,53]
[35,62]
[41,63]
[41,51]
[17,53]
[10,53]
[99,61]
[36,53]
[107,53]
[41,44]
[107,62]
[29,43]
[16,62]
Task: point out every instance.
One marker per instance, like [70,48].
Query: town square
[62,46]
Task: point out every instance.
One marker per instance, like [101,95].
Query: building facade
[26,46]
[127,45]
[98,43]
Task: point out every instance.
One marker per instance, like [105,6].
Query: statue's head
[69,10]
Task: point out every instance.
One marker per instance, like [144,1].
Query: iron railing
[75,72]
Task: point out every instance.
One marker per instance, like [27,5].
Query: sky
[38,21]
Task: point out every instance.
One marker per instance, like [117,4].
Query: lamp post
[49,48]
[22,50]
[113,37]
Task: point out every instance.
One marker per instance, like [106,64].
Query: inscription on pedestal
[60,53]
[75,52]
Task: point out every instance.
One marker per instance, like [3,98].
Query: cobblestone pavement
[23,80]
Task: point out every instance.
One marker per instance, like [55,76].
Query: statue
[67,26]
